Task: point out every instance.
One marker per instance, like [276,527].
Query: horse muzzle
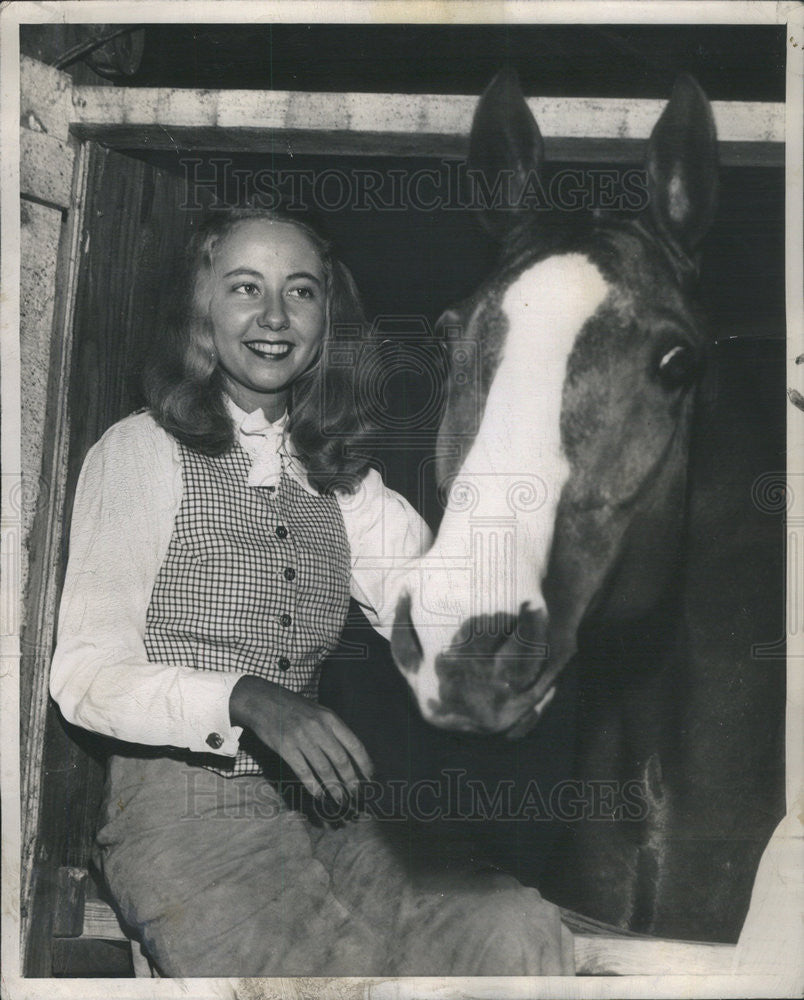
[492,675]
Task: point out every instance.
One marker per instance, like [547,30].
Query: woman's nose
[274,315]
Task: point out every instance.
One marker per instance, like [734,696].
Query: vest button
[281,531]
[215,740]
[290,573]
[283,663]
[285,619]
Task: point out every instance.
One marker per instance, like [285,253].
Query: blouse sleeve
[384,533]
[125,505]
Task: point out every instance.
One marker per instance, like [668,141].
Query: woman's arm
[324,753]
[384,533]
[125,505]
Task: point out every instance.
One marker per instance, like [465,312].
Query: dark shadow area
[732,62]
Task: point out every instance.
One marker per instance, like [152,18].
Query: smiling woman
[268,318]
[263,295]
[216,541]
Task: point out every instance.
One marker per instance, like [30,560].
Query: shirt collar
[267,445]
[255,422]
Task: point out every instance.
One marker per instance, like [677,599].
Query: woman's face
[268,311]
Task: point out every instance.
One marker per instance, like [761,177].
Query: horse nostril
[520,667]
[405,646]
[522,655]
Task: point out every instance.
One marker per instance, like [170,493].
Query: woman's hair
[184,385]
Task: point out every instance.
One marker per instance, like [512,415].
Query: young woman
[216,540]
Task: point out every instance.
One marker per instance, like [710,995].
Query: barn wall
[50,207]
[46,169]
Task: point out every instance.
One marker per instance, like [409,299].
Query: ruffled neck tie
[267,445]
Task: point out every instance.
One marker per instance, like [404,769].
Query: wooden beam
[100,921]
[429,125]
[213,139]
[604,956]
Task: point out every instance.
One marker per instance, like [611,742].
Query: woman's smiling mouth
[272,350]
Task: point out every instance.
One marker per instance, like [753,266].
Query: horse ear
[505,148]
[682,168]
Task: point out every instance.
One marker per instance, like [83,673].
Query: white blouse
[126,501]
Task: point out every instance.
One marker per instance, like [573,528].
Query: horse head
[565,501]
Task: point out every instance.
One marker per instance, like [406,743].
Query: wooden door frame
[53,175]
[59,119]
[594,130]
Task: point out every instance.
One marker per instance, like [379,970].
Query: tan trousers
[218,877]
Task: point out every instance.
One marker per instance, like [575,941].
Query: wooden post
[51,209]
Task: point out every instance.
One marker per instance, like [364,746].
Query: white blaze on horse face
[494,540]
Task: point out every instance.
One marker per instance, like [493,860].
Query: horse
[600,524]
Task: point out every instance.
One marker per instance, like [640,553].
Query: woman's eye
[302,292]
[246,288]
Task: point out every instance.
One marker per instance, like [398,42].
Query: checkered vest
[254,580]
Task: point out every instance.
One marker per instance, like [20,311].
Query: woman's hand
[325,754]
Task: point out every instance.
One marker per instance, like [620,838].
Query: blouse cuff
[206,710]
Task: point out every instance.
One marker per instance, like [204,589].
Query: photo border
[513,12]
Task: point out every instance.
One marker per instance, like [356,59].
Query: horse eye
[677,366]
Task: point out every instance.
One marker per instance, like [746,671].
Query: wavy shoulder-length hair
[184,385]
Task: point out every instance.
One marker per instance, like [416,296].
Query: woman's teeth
[264,349]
